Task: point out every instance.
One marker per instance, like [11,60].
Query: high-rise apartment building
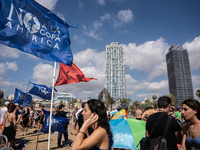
[179,74]
[115,81]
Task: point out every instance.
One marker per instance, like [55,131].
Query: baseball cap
[124,105]
[7,103]
[149,105]
[178,107]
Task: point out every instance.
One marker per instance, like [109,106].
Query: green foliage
[125,100]
[136,104]
[155,103]
[2,101]
[147,101]
[198,93]
[110,102]
[173,99]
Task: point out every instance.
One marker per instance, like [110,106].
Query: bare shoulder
[101,132]
[100,129]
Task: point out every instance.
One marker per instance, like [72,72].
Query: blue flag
[58,123]
[31,28]
[19,98]
[41,90]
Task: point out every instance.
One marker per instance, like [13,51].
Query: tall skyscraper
[115,81]
[179,74]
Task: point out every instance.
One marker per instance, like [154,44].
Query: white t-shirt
[3,110]
[76,115]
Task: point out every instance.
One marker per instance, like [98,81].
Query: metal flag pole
[54,74]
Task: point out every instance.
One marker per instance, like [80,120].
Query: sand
[31,138]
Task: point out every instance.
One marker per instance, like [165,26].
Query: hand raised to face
[92,120]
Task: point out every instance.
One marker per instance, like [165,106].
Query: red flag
[70,74]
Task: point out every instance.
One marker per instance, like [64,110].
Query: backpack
[159,143]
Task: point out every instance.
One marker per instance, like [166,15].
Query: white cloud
[158,86]
[193,51]
[43,74]
[125,16]
[196,81]
[6,82]
[80,4]
[89,58]
[142,96]
[117,20]
[50,4]
[97,25]
[3,69]
[79,39]
[105,17]
[146,56]
[93,32]
[157,70]
[9,52]
[101,2]
[7,66]
[11,66]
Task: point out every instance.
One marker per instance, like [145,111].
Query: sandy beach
[31,138]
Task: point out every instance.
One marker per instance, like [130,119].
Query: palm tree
[125,100]
[110,102]
[136,104]
[198,93]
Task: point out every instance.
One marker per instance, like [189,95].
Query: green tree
[125,100]
[110,102]
[155,103]
[136,104]
[173,99]
[198,93]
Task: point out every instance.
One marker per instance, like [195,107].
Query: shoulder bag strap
[155,125]
[167,126]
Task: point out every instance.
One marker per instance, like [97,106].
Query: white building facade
[115,81]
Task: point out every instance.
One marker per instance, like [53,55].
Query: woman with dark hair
[191,131]
[94,115]
[10,123]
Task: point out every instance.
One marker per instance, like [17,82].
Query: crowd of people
[94,132]
[13,115]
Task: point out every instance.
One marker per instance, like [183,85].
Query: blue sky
[145,28]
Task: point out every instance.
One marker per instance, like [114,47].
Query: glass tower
[115,81]
[179,74]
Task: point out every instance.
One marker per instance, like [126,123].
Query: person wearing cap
[178,115]
[138,113]
[3,110]
[149,111]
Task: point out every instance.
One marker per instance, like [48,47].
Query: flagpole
[54,74]
[26,92]
[14,95]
